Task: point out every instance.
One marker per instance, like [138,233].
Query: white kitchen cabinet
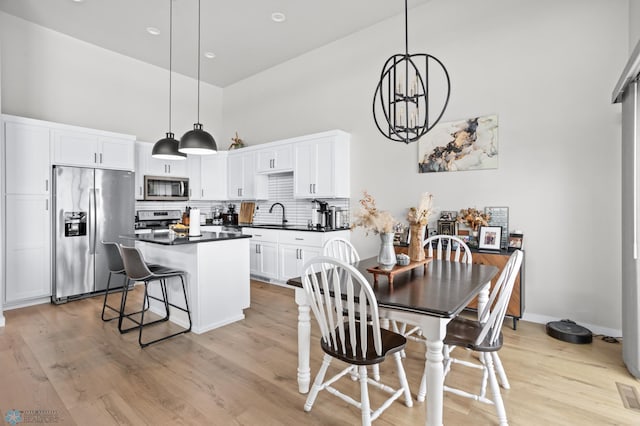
[155,166]
[146,165]
[27,248]
[321,167]
[278,255]
[292,259]
[84,149]
[276,159]
[194,170]
[214,176]
[263,252]
[28,169]
[243,183]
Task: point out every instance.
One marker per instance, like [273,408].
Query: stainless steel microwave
[166,188]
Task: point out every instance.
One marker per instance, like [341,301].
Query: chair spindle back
[338,294]
[462,252]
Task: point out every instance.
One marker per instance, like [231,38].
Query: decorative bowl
[402,259]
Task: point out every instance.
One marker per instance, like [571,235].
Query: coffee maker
[321,215]
[231,217]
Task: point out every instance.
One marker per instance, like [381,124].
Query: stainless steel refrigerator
[90,206]
[627,92]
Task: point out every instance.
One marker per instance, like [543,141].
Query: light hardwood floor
[65,359]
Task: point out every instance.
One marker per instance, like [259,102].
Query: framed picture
[500,217]
[515,242]
[489,237]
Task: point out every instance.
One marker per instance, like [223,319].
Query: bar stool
[116,267]
[137,270]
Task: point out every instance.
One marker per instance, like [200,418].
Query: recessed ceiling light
[153,31]
[278,17]
[209,55]
[78,1]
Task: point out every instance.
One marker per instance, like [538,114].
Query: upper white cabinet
[321,166]
[243,183]
[276,159]
[194,172]
[146,165]
[28,164]
[213,174]
[85,149]
[150,166]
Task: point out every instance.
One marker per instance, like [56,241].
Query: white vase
[387,255]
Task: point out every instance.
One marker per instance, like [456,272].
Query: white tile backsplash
[280,188]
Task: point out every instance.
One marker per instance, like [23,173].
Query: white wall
[1,203]
[51,76]
[547,68]
[634,24]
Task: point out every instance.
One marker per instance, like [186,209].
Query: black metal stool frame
[138,270]
[167,305]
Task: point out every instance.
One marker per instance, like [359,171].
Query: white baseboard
[595,329]
[25,303]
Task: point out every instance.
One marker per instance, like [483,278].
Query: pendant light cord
[198,61]
[406,28]
[170,55]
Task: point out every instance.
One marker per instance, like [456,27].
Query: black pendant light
[403,105]
[197,141]
[167,148]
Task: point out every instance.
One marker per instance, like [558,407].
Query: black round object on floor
[569,331]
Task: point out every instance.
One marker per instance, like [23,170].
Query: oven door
[159,188]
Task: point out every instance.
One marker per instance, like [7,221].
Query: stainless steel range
[156,220]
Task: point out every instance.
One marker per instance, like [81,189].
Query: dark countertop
[289,227]
[171,239]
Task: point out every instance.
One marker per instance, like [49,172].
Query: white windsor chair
[334,287]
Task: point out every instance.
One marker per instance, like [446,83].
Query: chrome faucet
[284,219]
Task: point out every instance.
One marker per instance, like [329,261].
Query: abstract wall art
[470,144]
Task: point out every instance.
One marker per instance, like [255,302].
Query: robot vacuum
[568,331]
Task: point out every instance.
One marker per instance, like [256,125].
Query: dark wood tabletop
[443,290]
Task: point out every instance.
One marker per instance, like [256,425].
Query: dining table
[429,297]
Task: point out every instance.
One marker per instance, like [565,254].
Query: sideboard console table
[500,258]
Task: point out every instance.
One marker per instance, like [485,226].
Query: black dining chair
[137,270]
[116,267]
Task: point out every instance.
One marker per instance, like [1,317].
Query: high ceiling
[241,33]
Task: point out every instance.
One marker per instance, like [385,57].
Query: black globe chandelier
[401,104]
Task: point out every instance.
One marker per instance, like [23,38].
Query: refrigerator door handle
[91,219]
[95,219]
[635,170]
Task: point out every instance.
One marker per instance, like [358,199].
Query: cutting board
[246,212]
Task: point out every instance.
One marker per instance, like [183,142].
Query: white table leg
[304,340]
[483,298]
[434,329]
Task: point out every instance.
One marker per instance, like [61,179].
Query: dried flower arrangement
[420,215]
[473,218]
[372,219]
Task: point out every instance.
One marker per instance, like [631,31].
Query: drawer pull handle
[299,239]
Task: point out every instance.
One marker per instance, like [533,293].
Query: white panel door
[194,165]
[28,249]
[324,168]
[304,170]
[75,148]
[269,254]
[28,170]
[235,176]
[114,153]
[214,176]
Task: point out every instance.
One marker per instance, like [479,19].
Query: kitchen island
[217,267]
